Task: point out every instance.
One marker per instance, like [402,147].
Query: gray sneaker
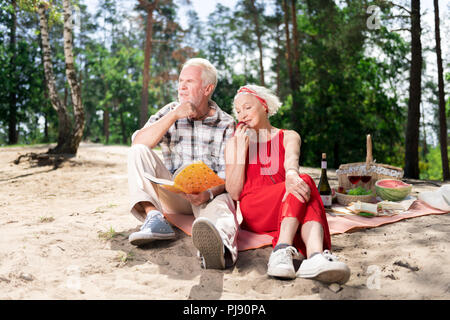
[155,227]
[207,240]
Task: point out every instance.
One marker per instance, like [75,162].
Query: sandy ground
[64,235]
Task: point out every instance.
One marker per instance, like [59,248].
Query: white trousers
[221,211]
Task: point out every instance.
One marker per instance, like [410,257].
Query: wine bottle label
[324,165]
[326,200]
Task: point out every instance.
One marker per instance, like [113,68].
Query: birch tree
[64,127]
[69,135]
[71,74]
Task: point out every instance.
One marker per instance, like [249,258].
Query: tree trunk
[64,125]
[258,41]
[122,126]
[106,123]
[71,74]
[296,51]
[277,62]
[46,138]
[12,114]
[290,60]
[424,133]
[442,118]
[45,90]
[415,78]
[288,40]
[295,64]
[149,8]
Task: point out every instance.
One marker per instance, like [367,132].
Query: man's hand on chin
[186,109]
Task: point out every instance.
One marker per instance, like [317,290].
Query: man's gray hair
[209,72]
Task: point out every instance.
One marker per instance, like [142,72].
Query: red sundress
[264,188]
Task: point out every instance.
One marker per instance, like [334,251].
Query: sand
[64,235]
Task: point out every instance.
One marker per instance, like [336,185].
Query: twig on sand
[406,265]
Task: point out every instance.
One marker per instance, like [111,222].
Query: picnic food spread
[360,183]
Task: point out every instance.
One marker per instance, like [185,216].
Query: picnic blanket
[337,224]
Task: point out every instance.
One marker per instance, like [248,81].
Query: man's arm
[151,135]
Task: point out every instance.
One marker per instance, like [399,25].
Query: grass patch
[46,219]
[108,235]
[124,257]
[103,209]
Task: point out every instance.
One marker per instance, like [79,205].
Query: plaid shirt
[187,141]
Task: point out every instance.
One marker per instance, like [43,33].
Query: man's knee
[139,148]
[140,151]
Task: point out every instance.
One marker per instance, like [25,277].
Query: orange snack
[194,178]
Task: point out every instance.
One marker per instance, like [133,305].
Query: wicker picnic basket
[377,171]
[346,199]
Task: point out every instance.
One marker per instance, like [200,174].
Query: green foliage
[54,9]
[351,79]
[22,80]
[431,166]
[343,91]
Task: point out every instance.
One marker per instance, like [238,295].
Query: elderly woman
[262,173]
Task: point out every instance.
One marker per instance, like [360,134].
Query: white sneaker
[324,267]
[280,263]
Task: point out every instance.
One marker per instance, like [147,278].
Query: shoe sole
[208,241]
[340,276]
[283,274]
[141,240]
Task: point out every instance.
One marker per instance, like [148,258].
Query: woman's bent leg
[312,236]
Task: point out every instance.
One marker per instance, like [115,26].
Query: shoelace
[329,256]
[290,252]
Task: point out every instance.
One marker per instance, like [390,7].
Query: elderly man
[191,129]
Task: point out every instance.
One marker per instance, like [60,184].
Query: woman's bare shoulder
[291,135]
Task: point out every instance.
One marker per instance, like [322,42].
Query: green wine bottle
[324,186]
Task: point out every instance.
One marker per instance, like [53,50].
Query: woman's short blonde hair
[209,72]
[273,102]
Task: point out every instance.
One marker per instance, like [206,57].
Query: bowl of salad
[345,197]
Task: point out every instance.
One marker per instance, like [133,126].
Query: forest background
[342,69]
